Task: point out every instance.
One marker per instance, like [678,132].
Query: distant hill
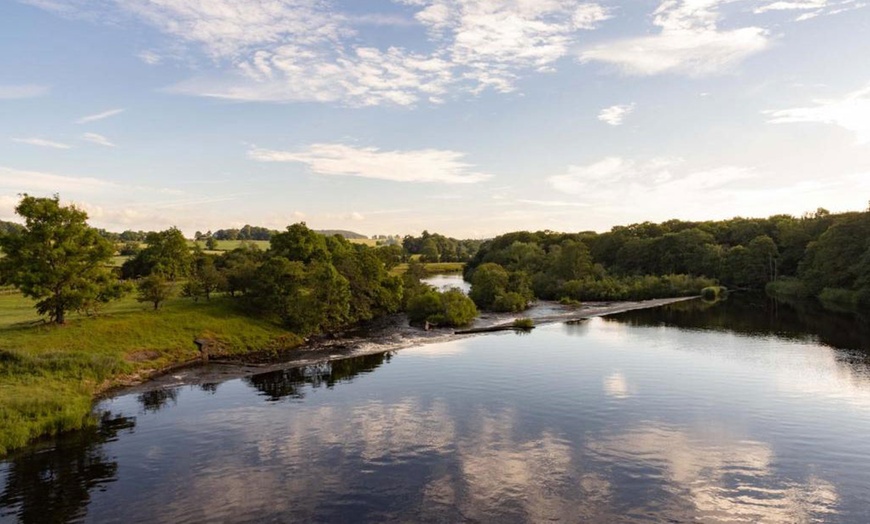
[350,235]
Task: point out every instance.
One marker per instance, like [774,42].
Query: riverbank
[50,375]
[383,335]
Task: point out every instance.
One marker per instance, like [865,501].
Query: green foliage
[155,289]
[435,247]
[713,293]
[788,287]
[448,308]
[524,323]
[298,243]
[509,302]
[205,278]
[488,282]
[166,253]
[57,259]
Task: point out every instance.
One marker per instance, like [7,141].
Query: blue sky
[465,117]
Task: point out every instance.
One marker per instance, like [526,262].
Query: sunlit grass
[432,268]
[50,374]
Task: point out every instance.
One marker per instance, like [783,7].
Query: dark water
[742,412]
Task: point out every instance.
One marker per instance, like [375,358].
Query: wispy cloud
[98,139]
[615,115]
[553,203]
[812,8]
[41,142]
[12,92]
[425,165]
[22,181]
[689,42]
[99,116]
[851,112]
[268,51]
[149,57]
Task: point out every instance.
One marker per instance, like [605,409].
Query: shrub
[510,302]
[713,293]
[567,301]
[787,287]
[448,308]
[524,323]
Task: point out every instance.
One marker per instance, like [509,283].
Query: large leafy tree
[167,253]
[57,258]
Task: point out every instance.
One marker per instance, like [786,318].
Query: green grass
[229,245]
[432,268]
[49,375]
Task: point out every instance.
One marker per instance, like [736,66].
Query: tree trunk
[59,315]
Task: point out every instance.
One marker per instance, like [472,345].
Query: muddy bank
[387,334]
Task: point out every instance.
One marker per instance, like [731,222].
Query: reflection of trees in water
[157,399]
[209,387]
[758,315]
[290,382]
[54,485]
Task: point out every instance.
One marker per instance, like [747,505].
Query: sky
[469,118]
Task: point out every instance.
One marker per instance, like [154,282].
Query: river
[745,411]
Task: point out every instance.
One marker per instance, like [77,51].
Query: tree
[211,243]
[167,253]
[57,258]
[155,289]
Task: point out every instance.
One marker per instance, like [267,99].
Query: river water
[746,411]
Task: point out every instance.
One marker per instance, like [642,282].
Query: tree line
[820,255]
[309,282]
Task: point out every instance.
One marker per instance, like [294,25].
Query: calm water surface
[742,412]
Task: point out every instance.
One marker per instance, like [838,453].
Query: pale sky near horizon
[469,118]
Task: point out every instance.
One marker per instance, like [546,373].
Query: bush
[524,323]
[449,308]
[713,293]
[567,301]
[510,302]
[787,288]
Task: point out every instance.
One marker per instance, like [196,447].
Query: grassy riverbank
[50,374]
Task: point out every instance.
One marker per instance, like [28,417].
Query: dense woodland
[821,255]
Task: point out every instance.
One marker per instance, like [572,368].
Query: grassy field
[432,268]
[49,375]
[229,245]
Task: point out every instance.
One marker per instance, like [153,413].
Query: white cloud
[304,50]
[615,115]
[97,139]
[689,42]
[150,57]
[26,181]
[41,142]
[852,112]
[812,8]
[12,92]
[493,41]
[425,165]
[99,116]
